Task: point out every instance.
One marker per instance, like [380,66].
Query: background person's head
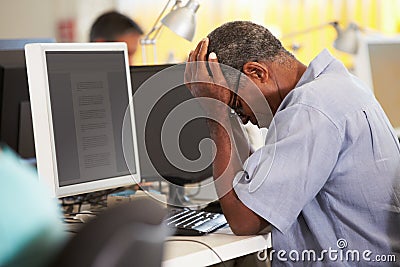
[116,27]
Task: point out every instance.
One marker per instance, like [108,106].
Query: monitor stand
[176,191]
[177,197]
[26,144]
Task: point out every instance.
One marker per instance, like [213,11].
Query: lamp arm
[157,32]
[155,27]
[290,35]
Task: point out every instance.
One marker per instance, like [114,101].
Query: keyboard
[194,222]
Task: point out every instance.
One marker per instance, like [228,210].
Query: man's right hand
[203,84]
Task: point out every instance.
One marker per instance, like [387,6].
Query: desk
[188,253]
[224,242]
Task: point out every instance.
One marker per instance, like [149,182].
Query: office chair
[129,234]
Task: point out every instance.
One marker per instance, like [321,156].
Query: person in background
[31,228]
[328,176]
[116,27]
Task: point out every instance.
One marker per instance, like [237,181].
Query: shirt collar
[316,67]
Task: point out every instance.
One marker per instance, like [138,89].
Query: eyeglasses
[236,108]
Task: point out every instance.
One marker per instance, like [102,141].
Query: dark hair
[239,42]
[112,24]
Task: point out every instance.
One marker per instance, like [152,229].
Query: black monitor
[166,127]
[15,114]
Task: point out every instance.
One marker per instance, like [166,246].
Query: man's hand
[227,162]
[201,83]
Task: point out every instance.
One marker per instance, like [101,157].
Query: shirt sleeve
[31,229]
[302,147]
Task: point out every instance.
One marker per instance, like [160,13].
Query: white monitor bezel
[35,55]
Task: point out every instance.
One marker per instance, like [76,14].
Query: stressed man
[328,176]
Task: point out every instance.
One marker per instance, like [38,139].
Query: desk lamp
[181,20]
[346,40]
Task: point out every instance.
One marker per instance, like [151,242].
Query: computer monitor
[15,113]
[13,93]
[19,44]
[378,64]
[81,99]
[174,139]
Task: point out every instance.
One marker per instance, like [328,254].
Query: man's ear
[256,70]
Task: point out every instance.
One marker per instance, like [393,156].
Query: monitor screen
[378,64]
[15,114]
[81,101]
[174,140]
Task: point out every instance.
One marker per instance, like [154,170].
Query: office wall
[64,20]
[86,13]
[283,17]
[27,18]
[70,20]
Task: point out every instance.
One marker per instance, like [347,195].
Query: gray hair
[239,42]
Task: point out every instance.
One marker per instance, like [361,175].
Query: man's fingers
[193,56]
[198,62]
[198,47]
[189,59]
[201,55]
[193,59]
[188,67]
[216,69]
[202,72]
[188,70]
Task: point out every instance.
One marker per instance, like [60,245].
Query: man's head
[239,42]
[252,49]
[115,27]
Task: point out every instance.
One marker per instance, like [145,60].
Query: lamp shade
[347,40]
[182,20]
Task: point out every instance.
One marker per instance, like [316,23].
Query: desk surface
[186,251]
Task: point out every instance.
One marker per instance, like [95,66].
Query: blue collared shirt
[328,177]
